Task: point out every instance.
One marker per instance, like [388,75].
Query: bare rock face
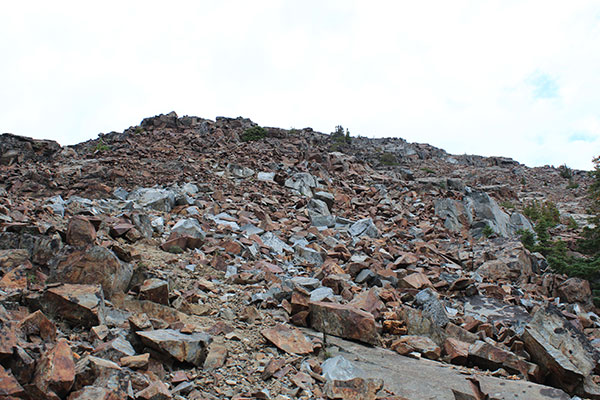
[18,149]
[344,321]
[563,353]
[9,386]
[189,348]
[92,265]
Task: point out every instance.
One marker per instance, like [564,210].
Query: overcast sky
[510,78]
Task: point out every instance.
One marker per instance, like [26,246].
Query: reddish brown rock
[183,347]
[8,338]
[78,304]
[155,290]
[96,393]
[344,321]
[90,368]
[135,362]
[16,278]
[576,290]
[421,344]
[56,370]
[491,357]
[290,340]
[37,324]
[80,232]
[92,265]
[9,386]
[416,280]
[457,351]
[353,389]
[217,355]
[156,391]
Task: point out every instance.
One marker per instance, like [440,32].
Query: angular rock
[491,357]
[564,354]
[96,393]
[135,362]
[55,371]
[9,386]
[80,232]
[90,368]
[576,290]
[156,199]
[408,344]
[344,321]
[37,324]
[189,348]
[188,227]
[155,391]
[92,265]
[432,307]
[456,351]
[114,350]
[155,290]
[353,389]
[291,340]
[77,304]
[364,227]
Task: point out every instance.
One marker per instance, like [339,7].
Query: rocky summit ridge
[184,259]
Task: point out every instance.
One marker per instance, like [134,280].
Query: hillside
[178,259]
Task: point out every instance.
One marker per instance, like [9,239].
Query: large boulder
[91,265]
[156,199]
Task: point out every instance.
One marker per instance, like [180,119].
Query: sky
[510,78]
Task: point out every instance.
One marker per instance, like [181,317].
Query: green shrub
[388,159]
[487,231]
[254,133]
[565,172]
[428,171]
[507,204]
[546,211]
[340,136]
[175,250]
[139,129]
[101,146]
[572,184]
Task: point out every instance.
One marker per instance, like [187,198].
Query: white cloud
[511,78]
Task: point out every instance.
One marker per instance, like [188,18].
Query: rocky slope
[174,260]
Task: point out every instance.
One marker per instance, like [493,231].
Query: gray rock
[239,171]
[270,240]
[366,275]
[322,293]
[224,219]
[454,213]
[303,182]
[189,227]
[156,199]
[323,221]
[306,282]
[190,189]
[143,224]
[307,255]
[339,369]
[250,229]
[266,176]
[190,348]
[121,193]
[317,207]
[158,224]
[326,197]
[432,307]
[364,227]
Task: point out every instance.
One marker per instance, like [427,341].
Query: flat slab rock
[424,379]
[189,348]
[289,339]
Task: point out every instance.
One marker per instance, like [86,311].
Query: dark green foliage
[507,204]
[340,136]
[566,172]
[546,216]
[546,212]
[175,250]
[388,159]
[138,129]
[254,133]
[101,146]
[428,171]
[487,231]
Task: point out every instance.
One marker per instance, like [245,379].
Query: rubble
[185,263]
